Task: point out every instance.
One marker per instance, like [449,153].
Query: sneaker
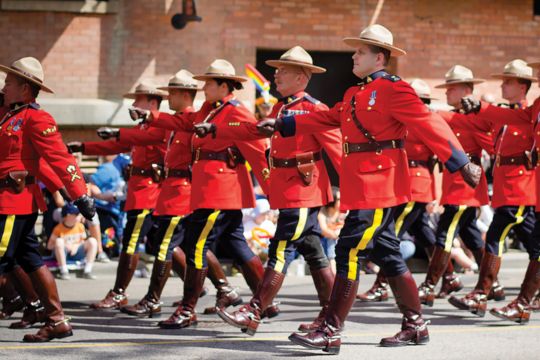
[63,276]
[102,258]
[88,276]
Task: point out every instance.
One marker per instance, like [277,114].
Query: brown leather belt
[231,156]
[291,162]
[140,171]
[512,160]
[377,147]
[6,182]
[178,173]
[418,163]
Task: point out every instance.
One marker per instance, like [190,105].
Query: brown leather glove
[107,133]
[471,174]
[204,128]
[75,147]
[268,127]
[138,114]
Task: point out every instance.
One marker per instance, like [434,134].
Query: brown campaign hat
[182,80]
[459,74]
[376,35]
[30,69]
[146,87]
[220,69]
[297,56]
[516,69]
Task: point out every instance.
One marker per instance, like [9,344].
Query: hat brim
[179,87]
[468,81]
[313,68]
[204,77]
[354,42]
[134,95]
[535,65]
[10,70]
[513,76]
[428,97]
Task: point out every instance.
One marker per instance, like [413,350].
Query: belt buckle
[166,172]
[346,148]
[498,161]
[271,162]
[197,154]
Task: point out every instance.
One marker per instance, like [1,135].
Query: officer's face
[214,92]
[175,99]
[511,89]
[142,102]
[289,79]
[455,92]
[365,61]
[13,90]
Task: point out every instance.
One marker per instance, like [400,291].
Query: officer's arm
[331,141]
[406,107]
[47,176]
[470,122]
[48,143]
[254,153]
[500,116]
[176,122]
[137,136]
[108,147]
[312,123]
[238,126]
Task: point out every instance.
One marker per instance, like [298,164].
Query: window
[73,6]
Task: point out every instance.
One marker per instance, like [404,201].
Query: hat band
[296,61]
[148,92]
[183,85]
[459,80]
[379,41]
[31,76]
[220,74]
[516,74]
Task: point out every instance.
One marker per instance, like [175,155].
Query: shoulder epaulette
[234,102]
[311,99]
[392,78]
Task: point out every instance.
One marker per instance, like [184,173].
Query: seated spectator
[70,243]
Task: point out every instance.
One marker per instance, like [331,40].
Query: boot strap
[66,320]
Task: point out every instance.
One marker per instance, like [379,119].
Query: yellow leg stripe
[280,256]
[202,239]
[452,228]
[406,211]
[302,218]
[136,232]
[519,220]
[6,235]
[366,238]
[164,247]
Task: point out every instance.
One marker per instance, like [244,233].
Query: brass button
[418,173]
[220,170]
[515,133]
[362,88]
[275,151]
[346,137]
[149,182]
[379,166]
[185,182]
[369,108]
[520,172]
[177,141]
[275,136]
[349,119]
[457,134]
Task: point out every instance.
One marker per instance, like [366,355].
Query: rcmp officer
[221,185]
[519,309]
[460,201]
[298,184]
[413,217]
[374,180]
[143,190]
[28,134]
[514,192]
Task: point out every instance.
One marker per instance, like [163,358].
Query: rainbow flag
[259,80]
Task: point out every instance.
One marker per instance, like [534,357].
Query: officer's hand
[269,126]
[470,105]
[471,174]
[86,206]
[203,129]
[138,114]
[107,133]
[75,147]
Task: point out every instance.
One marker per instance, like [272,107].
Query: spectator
[70,243]
[331,222]
[258,228]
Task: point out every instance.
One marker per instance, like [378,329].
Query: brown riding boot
[117,297]
[519,309]
[476,300]
[226,296]
[179,268]
[248,317]
[253,272]
[413,327]
[33,311]
[378,291]
[56,324]
[535,304]
[11,300]
[328,336]
[185,316]
[450,282]
[150,306]
[497,292]
[437,266]
[324,282]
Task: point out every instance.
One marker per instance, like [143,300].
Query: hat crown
[221,67]
[297,54]
[421,88]
[183,78]
[378,33]
[30,67]
[459,73]
[518,67]
[146,87]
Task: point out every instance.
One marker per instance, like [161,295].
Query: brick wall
[102,56]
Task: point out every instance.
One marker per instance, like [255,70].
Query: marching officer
[28,134]
[299,186]
[143,190]
[514,192]
[221,185]
[374,180]
[460,201]
[519,309]
[413,217]
[172,205]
